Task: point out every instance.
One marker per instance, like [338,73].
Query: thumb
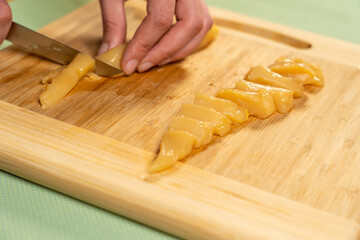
[114,24]
[5,19]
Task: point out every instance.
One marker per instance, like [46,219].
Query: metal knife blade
[38,44]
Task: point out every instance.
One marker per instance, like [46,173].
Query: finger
[5,19]
[158,21]
[114,24]
[189,16]
[193,44]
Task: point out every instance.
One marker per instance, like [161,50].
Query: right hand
[5,19]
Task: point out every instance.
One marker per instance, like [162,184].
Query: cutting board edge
[111,174]
[346,60]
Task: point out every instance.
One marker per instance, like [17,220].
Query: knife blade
[38,44]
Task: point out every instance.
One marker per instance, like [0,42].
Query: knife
[38,44]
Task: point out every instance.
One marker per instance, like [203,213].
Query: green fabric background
[29,211]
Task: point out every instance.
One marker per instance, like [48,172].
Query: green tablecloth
[29,211]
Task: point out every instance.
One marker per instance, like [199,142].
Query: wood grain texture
[185,201]
[310,155]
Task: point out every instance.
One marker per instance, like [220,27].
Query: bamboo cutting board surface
[310,155]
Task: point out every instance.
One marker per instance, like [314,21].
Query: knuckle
[142,45]
[195,25]
[110,26]
[209,23]
[198,25]
[163,20]
[165,54]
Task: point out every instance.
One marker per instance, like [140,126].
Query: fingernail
[131,66]
[165,62]
[103,48]
[145,66]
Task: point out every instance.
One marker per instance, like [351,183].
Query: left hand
[157,41]
[5,19]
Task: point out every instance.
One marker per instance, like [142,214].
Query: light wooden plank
[186,201]
[310,156]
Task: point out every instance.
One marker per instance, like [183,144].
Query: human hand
[114,24]
[5,19]
[157,40]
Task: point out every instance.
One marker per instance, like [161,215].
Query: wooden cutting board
[293,176]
